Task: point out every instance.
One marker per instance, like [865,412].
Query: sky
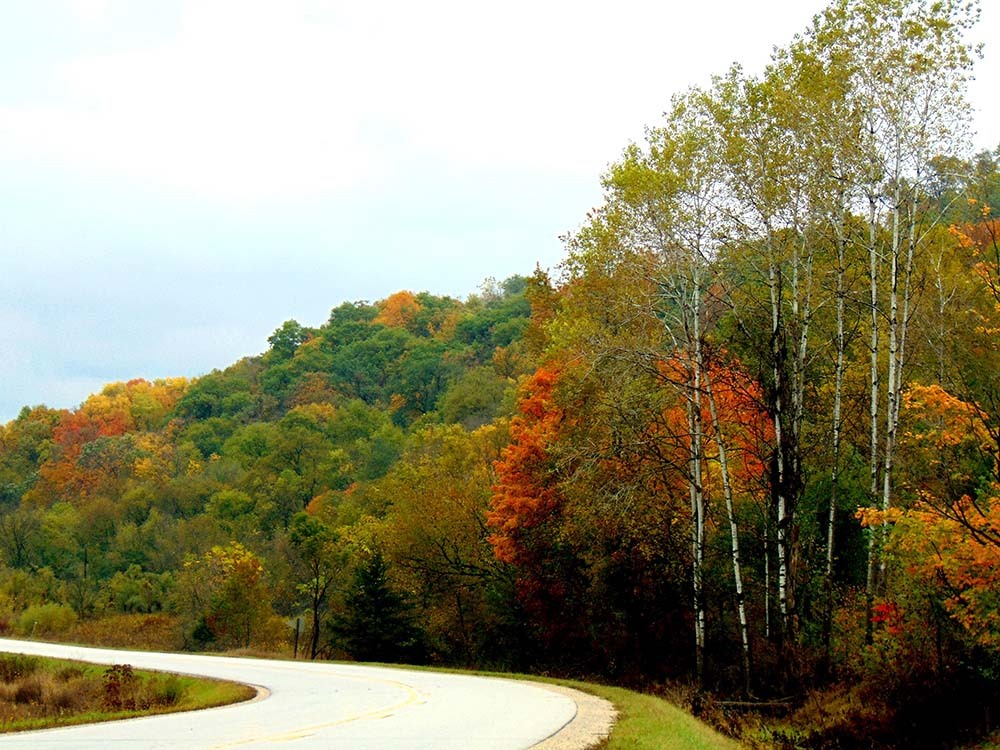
[178,178]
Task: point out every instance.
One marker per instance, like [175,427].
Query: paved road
[310,705]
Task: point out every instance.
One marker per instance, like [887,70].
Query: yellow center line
[377,713]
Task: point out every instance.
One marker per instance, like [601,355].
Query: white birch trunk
[838,387]
[727,490]
[874,385]
[697,451]
[782,531]
[697,539]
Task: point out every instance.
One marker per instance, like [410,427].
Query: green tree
[286,340]
[436,538]
[318,561]
[475,398]
[376,623]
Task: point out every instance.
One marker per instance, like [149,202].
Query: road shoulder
[590,725]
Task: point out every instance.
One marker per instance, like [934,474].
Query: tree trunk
[720,440]
[778,418]
[838,386]
[695,483]
[874,384]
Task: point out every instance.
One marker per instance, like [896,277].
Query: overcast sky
[179,177]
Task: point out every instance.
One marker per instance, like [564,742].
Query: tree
[377,624]
[225,596]
[318,561]
[769,234]
[19,537]
[525,495]
[648,257]
[24,443]
[436,536]
[907,65]
[475,398]
[286,340]
[974,353]
[398,310]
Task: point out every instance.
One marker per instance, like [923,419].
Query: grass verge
[40,693]
[646,722]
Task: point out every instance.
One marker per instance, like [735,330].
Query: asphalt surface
[312,705]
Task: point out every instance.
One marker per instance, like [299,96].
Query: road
[312,705]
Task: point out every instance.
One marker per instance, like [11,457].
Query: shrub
[46,619]
[13,667]
[29,690]
[166,690]
[68,695]
[119,689]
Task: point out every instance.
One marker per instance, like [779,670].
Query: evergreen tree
[377,624]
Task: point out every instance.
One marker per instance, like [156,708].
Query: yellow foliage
[870,517]
[958,548]
[398,310]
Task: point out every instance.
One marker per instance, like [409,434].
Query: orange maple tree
[525,493]
[398,310]
[949,537]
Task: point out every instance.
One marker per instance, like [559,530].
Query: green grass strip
[172,693]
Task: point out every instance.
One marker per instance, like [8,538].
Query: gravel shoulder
[590,725]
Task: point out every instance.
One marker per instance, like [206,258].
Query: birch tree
[769,233]
[907,63]
[662,211]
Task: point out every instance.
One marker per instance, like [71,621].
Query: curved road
[312,705]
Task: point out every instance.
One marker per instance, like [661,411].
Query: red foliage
[525,495]
[120,409]
[747,429]
[888,615]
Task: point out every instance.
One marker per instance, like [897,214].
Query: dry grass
[32,688]
[37,693]
[139,632]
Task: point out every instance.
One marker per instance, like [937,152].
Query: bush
[15,666]
[158,632]
[67,696]
[29,690]
[46,619]
[166,690]
[137,591]
[120,689]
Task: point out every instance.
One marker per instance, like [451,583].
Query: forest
[744,440]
